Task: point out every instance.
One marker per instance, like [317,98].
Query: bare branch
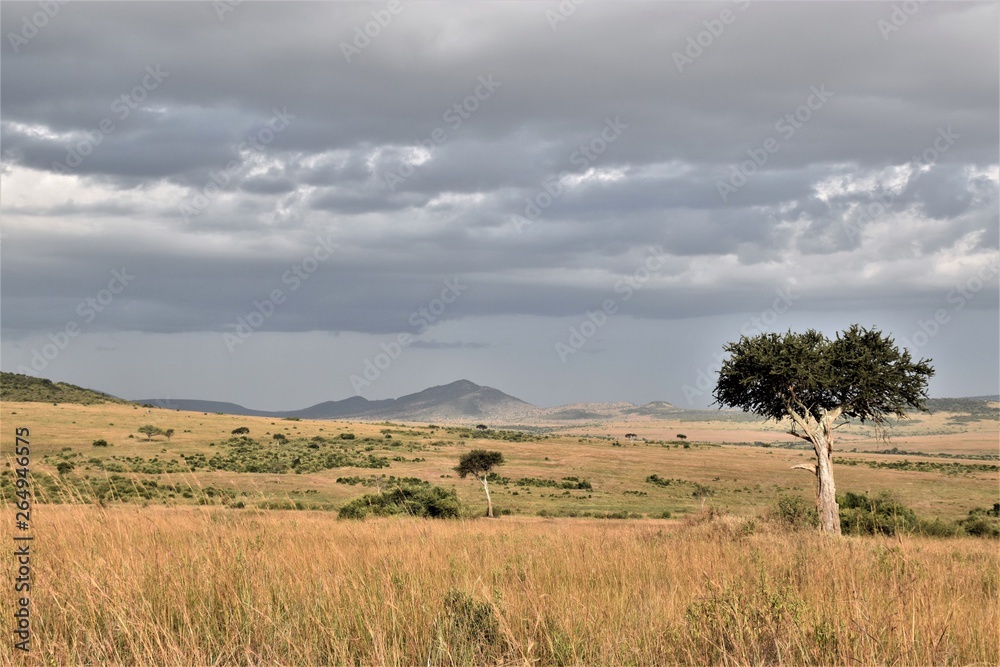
[811,467]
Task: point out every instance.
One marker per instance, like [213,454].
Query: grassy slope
[15,387]
[743,480]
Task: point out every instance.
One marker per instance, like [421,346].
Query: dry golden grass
[210,586]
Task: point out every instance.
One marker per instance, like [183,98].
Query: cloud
[413,173]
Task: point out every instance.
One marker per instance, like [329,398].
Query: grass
[185,561]
[735,479]
[167,586]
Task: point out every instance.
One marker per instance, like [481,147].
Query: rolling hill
[15,387]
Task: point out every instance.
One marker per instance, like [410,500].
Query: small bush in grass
[795,512]
[938,528]
[421,501]
[861,514]
[347,436]
[100,443]
[981,523]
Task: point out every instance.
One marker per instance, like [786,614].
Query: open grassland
[176,552]
[201,464]
[209,585]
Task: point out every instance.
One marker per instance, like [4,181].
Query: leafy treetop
[860,374]
[478,462]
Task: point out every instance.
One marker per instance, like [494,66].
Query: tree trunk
[826,492]
[489,503]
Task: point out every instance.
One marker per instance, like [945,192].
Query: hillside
[458,401]
[15,387]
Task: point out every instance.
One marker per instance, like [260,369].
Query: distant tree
[242,430]
[481,427]
[169,432]
[149,431]
[681,436]
[814,381]
[64,467]
[480,462]
[100,443]
[631,436]
[280,437]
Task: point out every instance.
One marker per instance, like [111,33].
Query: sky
[278,204]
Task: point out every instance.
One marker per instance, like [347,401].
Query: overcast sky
[254,202]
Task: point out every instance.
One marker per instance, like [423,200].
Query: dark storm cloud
[414,157]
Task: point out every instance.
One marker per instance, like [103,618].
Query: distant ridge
[19,388]
[459,401]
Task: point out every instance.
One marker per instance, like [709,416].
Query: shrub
[421,501]
[795,512]
[861,514]
[242,430]
[100,443]
[347,436]
[981,523]
[937,528]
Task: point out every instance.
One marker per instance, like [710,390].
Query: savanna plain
[688,542]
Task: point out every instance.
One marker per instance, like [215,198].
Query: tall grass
[211,586]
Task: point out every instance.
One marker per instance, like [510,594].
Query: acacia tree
[480,462]
[149,430]
[814,381]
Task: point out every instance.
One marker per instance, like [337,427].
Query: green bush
[937,528]
[421,501]
[861,514]
[795,512]
[982,523]
[347,436]
[100,443]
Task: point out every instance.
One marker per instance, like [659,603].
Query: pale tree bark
[820,434]
[489,503]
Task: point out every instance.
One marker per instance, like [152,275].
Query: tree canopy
[478,462]
[860,374]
